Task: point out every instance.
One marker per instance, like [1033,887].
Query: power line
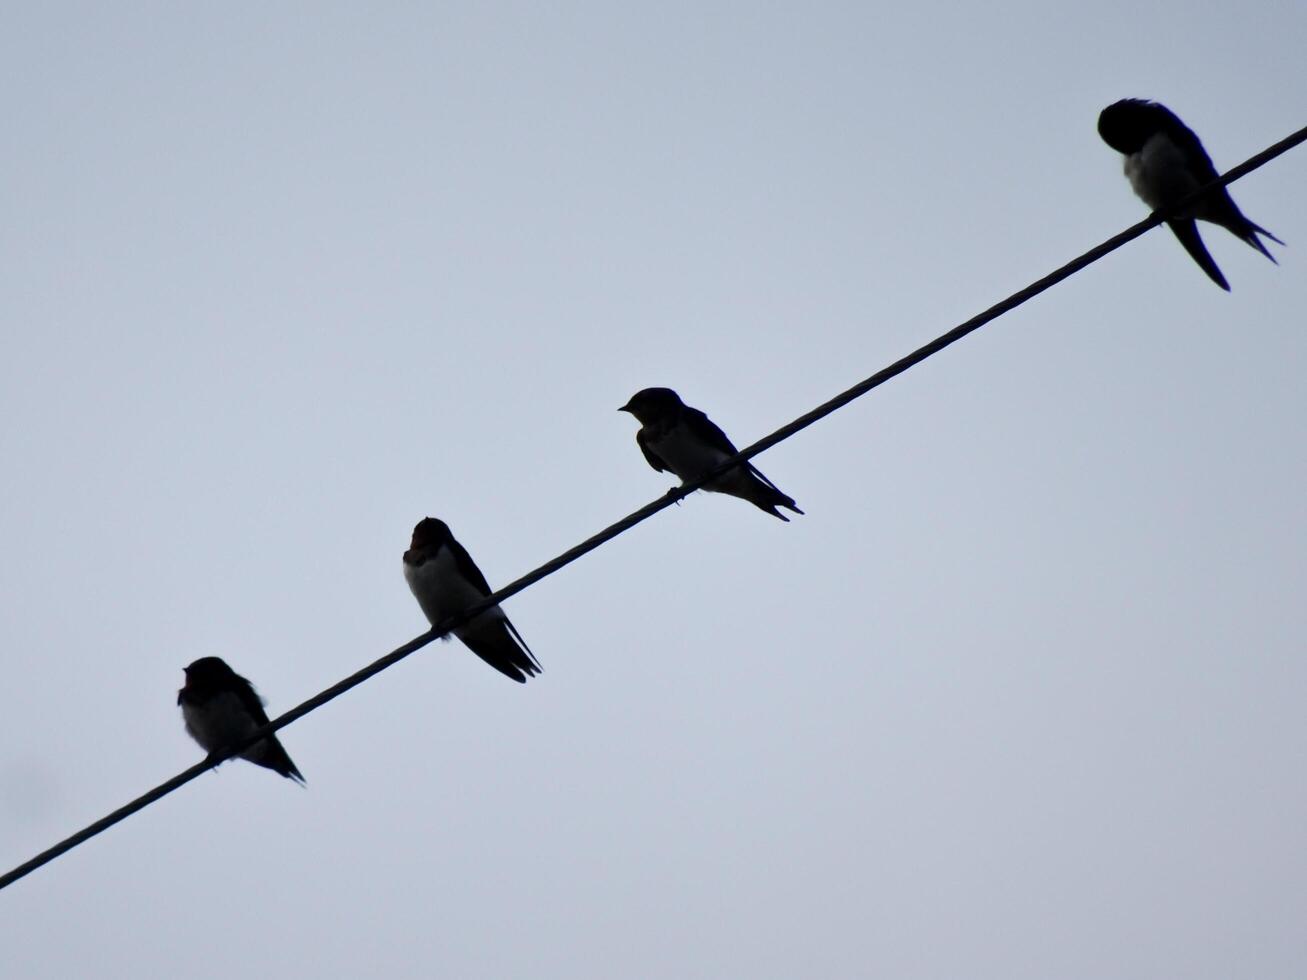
[648,510]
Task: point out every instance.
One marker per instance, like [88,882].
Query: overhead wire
[672,496]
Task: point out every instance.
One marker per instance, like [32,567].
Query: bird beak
[625,408]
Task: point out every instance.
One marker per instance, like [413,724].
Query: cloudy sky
[1020,697]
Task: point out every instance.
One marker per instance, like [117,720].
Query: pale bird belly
[1159,173]
[441,591]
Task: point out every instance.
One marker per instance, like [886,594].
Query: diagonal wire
[648,510]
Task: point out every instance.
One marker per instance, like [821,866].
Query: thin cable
[648,510]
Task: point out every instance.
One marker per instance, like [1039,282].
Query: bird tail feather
[498,643]
[1187,231]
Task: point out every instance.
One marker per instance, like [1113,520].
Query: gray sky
[1020,697]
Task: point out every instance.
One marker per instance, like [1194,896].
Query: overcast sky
[1020,697]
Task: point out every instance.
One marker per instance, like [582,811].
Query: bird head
[429,534]
[653,404]
[208,673]
[1127,125]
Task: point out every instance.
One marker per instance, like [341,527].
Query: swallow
[445,580]
[683,441]
[1165,163]
[220,708]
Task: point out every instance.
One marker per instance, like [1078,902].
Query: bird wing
[467,567]
[652,457]
[707,431]
[1188,143]
[493,638]
[704,429]
[250,700]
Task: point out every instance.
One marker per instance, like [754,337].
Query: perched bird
[445,580]
[682,440]
[1165,163]
[220,708]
